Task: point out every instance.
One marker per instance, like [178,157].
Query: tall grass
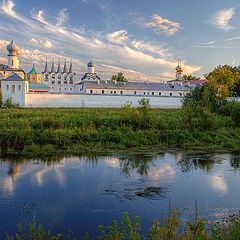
[52,130]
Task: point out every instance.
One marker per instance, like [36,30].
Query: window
[115,92]
[102,91]
[12,62]
[170,94]
[152,93]
[160,94]
[91,91]
[13,88]
[144,93]
[121,92]
[135,92]
[19,87]
[111,92]
[148,93]
[7,87]
[70,89]
[180,94]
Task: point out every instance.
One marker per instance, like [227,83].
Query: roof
[38,86]
[14,77]
[134,85]
[33,71]
[196,82]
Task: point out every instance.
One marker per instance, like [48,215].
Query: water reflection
[80,190]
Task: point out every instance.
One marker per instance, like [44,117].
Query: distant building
[34,76]
[61,87]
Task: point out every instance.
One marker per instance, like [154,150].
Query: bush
[231,109]
[9,103]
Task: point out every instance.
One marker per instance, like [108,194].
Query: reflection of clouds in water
[219,184]
[41,174]
[165,171]
[7,185]
[113,162]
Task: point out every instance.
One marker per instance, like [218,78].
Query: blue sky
[142,38]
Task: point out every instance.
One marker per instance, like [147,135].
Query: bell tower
[13,52]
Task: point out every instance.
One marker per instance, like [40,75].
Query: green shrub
[231,109]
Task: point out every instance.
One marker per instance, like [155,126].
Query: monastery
[59,86]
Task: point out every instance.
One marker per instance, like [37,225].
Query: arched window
[13,88]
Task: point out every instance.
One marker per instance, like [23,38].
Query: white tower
[13,52]
[91,67]
[15,88]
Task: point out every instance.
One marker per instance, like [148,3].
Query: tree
[204,96]
[226,79]
[190,77]
[119,77]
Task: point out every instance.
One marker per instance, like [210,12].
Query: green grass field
[76,130]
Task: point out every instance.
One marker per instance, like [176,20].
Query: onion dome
[13,49]
[90,64]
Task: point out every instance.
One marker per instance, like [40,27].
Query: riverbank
[46,131]
[168,227]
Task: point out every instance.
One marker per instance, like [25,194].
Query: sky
[142,38]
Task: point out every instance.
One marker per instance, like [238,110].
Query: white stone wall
[146,93]
[34,100]
[16,91]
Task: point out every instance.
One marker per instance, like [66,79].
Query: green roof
[33,71]
[38,86]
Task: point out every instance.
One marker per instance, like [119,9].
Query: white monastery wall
[48,100]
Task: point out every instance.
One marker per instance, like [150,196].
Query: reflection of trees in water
[138,162]
[203,162]
[235,162]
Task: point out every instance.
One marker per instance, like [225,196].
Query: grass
[39,131]
[168,227]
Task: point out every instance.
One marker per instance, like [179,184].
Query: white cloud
[150,47]
[222,19]
[7,7]
[62,17]
[118,37]
[34,41]
[162,25]
[45,44]
[141,59]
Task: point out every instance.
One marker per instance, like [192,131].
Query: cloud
[62,17]
[7,7]
[45,44]
[149,47]
[140,58]
[222,19]
[118,37]
[162,25]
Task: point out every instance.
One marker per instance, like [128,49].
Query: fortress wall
[42,100]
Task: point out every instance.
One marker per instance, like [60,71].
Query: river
[80,193]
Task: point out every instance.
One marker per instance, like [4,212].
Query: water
[80,193]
